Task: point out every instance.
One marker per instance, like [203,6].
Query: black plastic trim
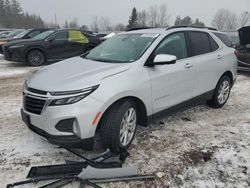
[182,106]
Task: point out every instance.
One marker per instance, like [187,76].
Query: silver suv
[129,80]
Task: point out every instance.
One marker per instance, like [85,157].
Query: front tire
[119,125]
[36,58]
[221,93]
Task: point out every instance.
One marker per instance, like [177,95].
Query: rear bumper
[243,66]
[61,140]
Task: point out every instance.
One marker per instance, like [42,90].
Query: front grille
[33,105]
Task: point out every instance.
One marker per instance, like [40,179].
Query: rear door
[77,42]
[173,83]
[206,59]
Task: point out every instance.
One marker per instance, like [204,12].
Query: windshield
[20,35]
[43,35]
[122,48]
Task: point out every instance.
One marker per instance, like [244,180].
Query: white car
[131,79]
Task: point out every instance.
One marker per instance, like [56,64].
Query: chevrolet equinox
[130,79]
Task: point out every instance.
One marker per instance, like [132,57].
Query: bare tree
[74,23]
[152,16]
[105,24]
[142,18]
[119,27]
[219,19]
[225,19]
[231,23]
[94,26]
[244,19]
[164,16]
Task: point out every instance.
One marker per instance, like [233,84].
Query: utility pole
[55,20]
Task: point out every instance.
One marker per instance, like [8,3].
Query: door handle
[219,56]
[188,65]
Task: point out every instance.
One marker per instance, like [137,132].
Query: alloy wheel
[223,92]
[128,126]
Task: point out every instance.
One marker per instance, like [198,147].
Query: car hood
[244,34]
[74,74]
[22,41]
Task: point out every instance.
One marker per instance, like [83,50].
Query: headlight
[70,100]
[16,46]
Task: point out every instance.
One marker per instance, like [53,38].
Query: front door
[173,83]
[58,46]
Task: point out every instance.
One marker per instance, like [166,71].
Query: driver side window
[60,35]
[174,44]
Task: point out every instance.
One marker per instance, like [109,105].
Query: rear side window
[214,45]
[224,38]
[199,42]
[77,36]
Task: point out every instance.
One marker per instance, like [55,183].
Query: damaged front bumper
[61,140]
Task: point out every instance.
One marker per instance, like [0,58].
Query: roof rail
[139,28]
[191,26]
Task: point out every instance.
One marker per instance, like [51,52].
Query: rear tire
[119,125]
[36,58]
[221,93]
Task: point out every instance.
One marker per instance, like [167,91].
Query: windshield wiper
[106,60]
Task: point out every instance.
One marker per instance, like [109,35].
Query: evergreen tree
[133,19]
[198,23]
[187,21]
[12,16]
[178,21]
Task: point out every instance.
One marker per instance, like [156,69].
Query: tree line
[227,20]
[154,16]
[12,15]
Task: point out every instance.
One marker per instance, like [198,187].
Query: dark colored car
[243,51]
[52,45]
[26,34]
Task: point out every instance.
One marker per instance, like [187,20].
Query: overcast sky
[118,11]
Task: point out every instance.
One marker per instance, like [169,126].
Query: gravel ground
[199,147]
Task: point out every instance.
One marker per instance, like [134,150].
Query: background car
[26,34]
[13,33]
[52,45]
[3,34]
[243,51]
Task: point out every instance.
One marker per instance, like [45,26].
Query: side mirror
[51,39]
[164,59]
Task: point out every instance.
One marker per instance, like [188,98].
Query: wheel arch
[229,74]
[141,109]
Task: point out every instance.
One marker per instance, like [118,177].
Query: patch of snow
[199,147]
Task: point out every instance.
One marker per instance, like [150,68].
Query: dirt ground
[199,147]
